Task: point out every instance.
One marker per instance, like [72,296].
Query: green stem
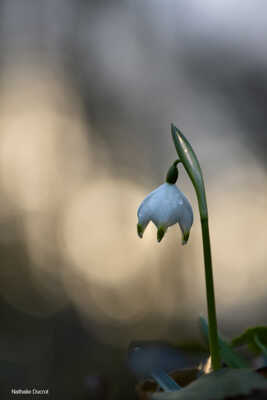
[213,331]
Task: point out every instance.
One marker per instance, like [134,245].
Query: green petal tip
[185,237]
[140,230]
[160,233]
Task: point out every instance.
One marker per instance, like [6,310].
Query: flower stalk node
[172,174]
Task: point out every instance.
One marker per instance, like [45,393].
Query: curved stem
[189,160]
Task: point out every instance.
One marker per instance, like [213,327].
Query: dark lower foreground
[57,354]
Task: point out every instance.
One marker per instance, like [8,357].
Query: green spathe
[190,161]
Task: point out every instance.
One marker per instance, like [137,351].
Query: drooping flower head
[166,206]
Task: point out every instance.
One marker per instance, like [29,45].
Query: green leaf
[218,385]
[189,159]
[229,356]
[260,345]
[248,338]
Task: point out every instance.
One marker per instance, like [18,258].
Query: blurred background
[88,90]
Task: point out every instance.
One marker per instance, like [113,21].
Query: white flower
[165,206]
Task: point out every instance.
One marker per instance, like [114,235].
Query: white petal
[166,206]
[143,215]
[185,221]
